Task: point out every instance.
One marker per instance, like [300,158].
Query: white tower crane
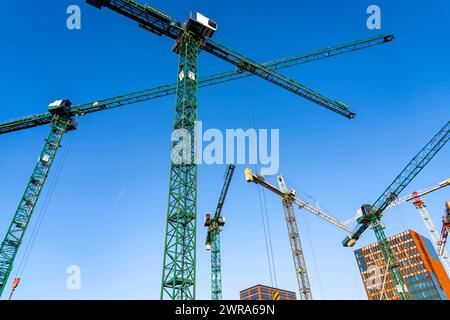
[288,199]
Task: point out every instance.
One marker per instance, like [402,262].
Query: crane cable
[262,201]
[349,222]
[401,217]
[41,215]
[267,238]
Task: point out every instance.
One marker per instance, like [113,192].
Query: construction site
[146,157]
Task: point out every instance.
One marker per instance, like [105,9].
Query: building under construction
[418,262]
[260,292]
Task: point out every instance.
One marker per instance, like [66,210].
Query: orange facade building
[424,274]
[260,292]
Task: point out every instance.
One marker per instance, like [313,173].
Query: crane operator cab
[364,214]
[61,107]
[201,25]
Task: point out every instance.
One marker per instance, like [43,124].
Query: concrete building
[424,274]
[260,292]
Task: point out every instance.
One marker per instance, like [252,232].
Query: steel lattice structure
[178,277]
[297,250]
[16,231]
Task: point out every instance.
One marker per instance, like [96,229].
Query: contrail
[119,197]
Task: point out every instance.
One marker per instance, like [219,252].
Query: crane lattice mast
[296,245]
[445,227]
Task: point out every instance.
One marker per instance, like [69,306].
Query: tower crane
[370,215]
[64,118]
[215,226]
[416,198]
[445,227]
[179,269]
[289,199]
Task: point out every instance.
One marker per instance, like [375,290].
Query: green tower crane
[215,226]
[48,118]
[179,268]
[370,215]
[60,124]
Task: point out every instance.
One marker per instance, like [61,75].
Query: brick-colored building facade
[260,292]
[424,274]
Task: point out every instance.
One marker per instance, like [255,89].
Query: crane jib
[419,161]
[165,90]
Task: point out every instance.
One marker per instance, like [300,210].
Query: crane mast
[215,226]
[370,215]
[294,239]
[178,278]
[445,226]
[170,89]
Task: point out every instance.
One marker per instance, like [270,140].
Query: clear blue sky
[107,214]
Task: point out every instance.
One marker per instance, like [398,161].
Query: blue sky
[107,213]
